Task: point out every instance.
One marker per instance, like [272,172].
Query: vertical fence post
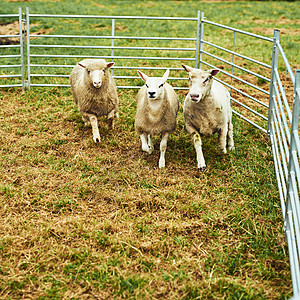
[201,37]
[291,217]
[275,51]
[112,42]
[232,60]
[28,46]
[197,39]
[21,47]
[294,131]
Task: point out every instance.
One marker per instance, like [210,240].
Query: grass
[84,220]
[80,220]
[280,15]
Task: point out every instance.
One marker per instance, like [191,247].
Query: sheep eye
[206,80]
[103,70]
[161,85]
[147,86]
[88,71]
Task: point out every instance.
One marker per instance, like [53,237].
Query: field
[84,221]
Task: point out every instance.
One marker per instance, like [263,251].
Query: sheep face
[96,74]
[154,85]
[200,82]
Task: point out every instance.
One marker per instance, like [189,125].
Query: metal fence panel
[283,129]
[66,50]
[230,60]
[292,207]
[50,58]
[12,57]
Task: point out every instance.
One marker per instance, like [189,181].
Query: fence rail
[48,59]
[236,89]
[283,131]
[15,61]
[108,44]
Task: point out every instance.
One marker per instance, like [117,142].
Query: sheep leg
[110,122]
[198,147]
[110,119]
[222,140]
[150,143]
[95,130]
[230,141]
[163,148]
[86,120]
[145,146]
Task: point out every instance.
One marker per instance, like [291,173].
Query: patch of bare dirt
[276,23]
[98,4]
[149,4]
[20,0]
[270,31]
[11,29]
[280,21]
[217,1]
[41,30]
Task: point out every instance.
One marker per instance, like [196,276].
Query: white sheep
[207,111]
[94,92]
[157,108]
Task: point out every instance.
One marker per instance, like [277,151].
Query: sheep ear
[143,76]
[81,65]
[109,65]
[187,68]
[214,72]
[166,75]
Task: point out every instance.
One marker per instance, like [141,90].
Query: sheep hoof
[201,169]
[147,150]
[222,151]
[150,149]
[232,148]
[97,140]
[161,164]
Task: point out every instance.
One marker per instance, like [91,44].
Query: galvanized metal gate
[108,46]
[13,54]
[283,130]
[269,109]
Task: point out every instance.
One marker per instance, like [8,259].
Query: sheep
[207,111]
[157,108]
[94,92]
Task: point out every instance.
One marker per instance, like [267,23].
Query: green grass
[80,220]
[248,16]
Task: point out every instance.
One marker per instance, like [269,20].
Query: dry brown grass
[80,220]
[85,221]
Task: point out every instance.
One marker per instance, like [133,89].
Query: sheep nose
[151,94]
[195,97]
[97,84]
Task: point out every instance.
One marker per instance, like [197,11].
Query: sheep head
[200,82]
[96,72]
[154,85]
